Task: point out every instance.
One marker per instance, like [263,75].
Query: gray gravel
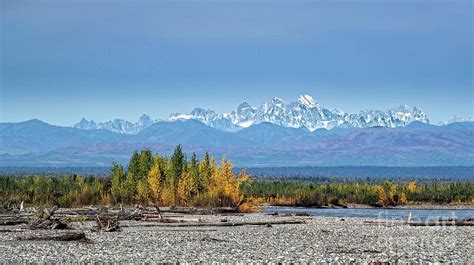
[321,239]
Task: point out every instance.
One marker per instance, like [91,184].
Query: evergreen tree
[133,172]
[117,179]
[129,188]
[145,163]
[205,173]
[195,177]
[176,169]
[177,164]
[164,167]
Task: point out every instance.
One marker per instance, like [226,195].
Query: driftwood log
[140,213]
[46,221]
[77,236]
[14,220]
[185,210]
[105,223]
[281,222]
[384,222]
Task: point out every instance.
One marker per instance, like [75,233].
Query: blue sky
[64,60]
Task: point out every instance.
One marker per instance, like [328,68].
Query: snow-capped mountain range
[305,112]
[117,125]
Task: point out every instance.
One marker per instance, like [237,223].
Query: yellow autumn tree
[154,180]
[411,187]
[141,195]
[168,195]
[392,194]
[402,198]
[185,189]
[224,186]
[382,198]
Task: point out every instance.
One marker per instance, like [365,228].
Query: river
[389,214]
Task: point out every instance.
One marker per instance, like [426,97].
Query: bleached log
[172,220]
[282,222]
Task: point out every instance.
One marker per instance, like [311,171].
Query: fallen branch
[80,236]
[48,224]
[158,212]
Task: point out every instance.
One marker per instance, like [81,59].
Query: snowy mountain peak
[407,114]
[307,100]
[305,112]
[144,117]
[117,125]
[243,107]
[145,120]
[278,102]
[85,124]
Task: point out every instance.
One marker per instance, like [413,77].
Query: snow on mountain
[304,112]
[117,125]
[307,101]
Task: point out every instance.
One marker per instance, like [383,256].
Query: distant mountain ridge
[305,112]
[35,143]
[117,125]
[299,133]
[455,119]
[37,136]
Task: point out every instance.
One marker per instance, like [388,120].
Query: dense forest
[161,180]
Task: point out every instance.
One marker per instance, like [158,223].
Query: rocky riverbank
[324,239]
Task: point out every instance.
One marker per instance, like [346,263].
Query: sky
[67,59]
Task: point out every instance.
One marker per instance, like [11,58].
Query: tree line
[148,179]
[153,179]
[389,193]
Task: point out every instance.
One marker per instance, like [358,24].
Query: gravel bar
[320,239]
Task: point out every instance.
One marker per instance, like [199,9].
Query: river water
[389,214]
